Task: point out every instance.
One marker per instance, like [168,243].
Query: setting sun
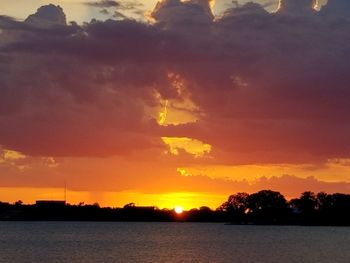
[178,210]
[175,130]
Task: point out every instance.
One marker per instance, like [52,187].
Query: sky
[173,103]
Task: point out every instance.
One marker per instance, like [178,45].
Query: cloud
[172,13]
[267,87]
[248,9]
[117,174]
[336,8]
[297,7]
[133,6]
[48,15]
[104,3]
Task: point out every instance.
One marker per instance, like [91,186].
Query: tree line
[263,207]
[270,207]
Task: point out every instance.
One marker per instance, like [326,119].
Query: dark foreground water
[43,242]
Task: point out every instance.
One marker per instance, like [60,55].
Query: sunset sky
[173,103]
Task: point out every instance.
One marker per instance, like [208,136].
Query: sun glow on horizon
[171,200]
[178,210]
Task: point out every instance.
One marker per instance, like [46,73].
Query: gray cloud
[104,3]
[336,9]
[299,7]
[116,8]
[48,15]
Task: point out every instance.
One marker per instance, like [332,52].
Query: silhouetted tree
[324,206]
[96,205]
[130,205]
[308,203]
[204,209]
[236,207]
[267,207]
[324,201]
[306,206]
[340,209]
[18,203]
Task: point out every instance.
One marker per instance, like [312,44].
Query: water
[46,242]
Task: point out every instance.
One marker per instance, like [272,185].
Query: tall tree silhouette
[267,207]
[306,205]
[236,207]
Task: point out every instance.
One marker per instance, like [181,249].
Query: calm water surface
[44,242]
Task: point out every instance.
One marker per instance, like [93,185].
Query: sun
[178,210]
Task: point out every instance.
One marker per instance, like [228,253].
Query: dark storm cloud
[272,87]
